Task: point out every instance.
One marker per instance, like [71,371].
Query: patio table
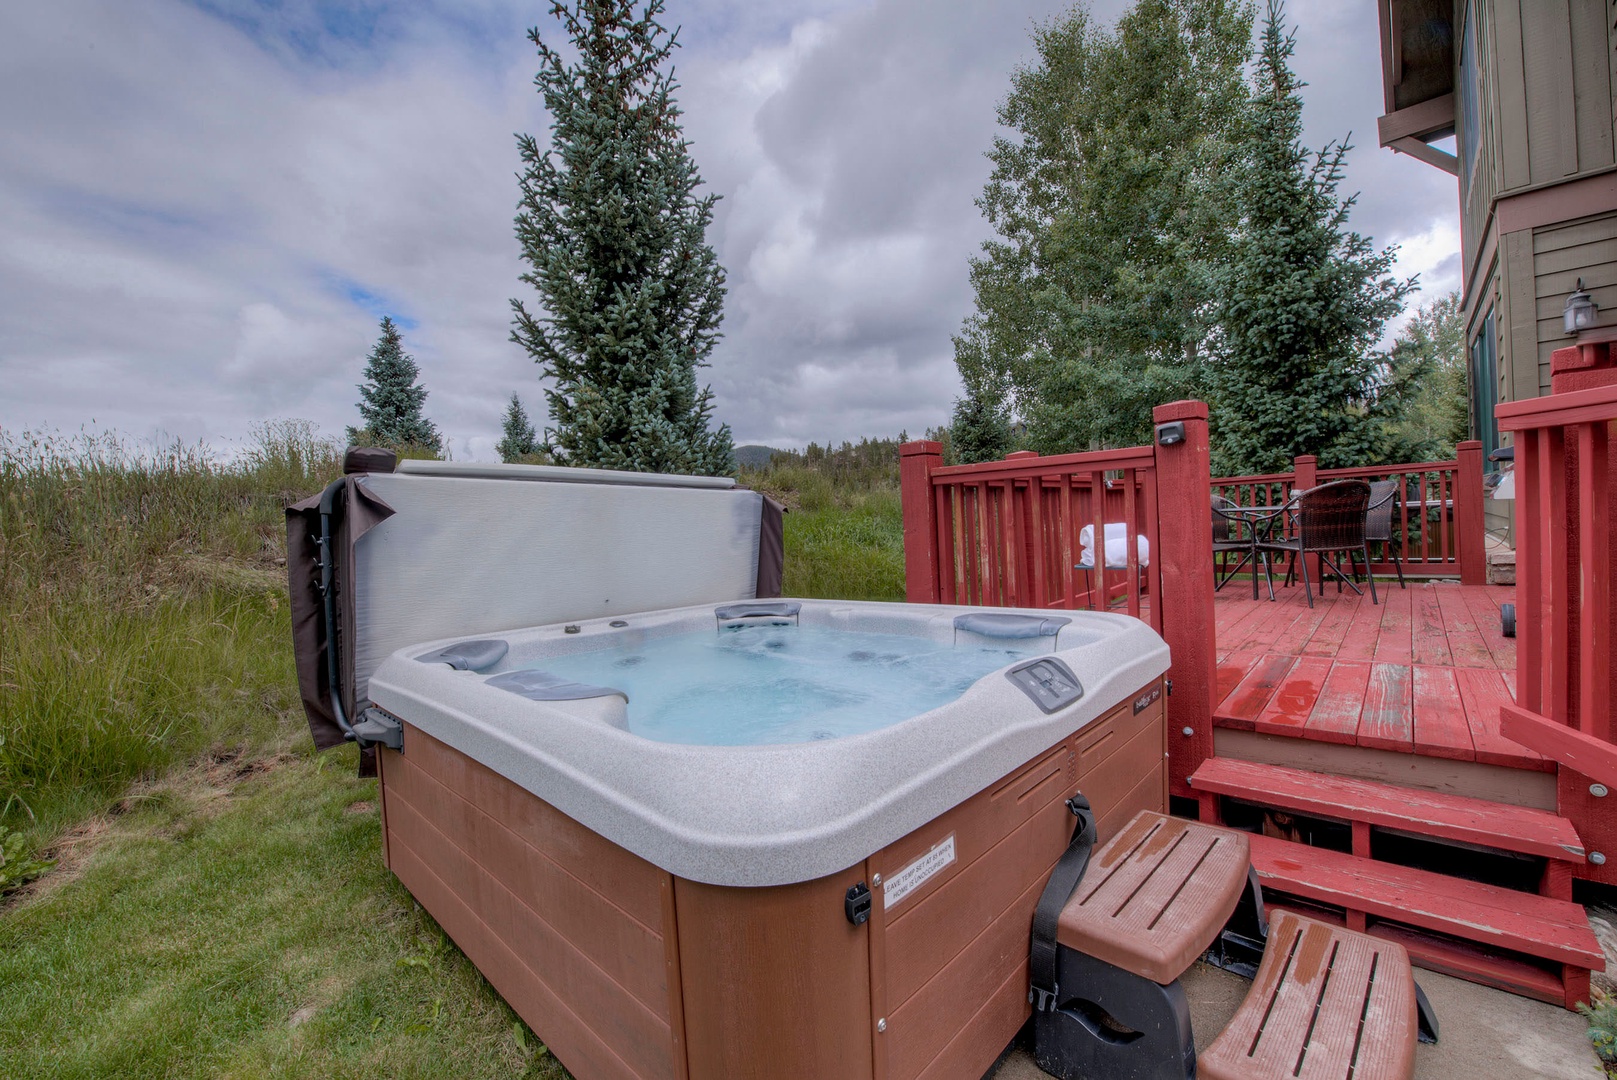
[1260,522]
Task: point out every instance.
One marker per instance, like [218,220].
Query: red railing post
[1470,532]
[916,460]
[1185,554]
[1304,472]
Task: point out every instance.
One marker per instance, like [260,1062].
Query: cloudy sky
[206,206]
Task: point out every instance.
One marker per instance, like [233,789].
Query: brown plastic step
[1326,1003]
[1156,895]
[1520,829]
[1536,926]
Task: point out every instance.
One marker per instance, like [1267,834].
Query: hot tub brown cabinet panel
[628,971]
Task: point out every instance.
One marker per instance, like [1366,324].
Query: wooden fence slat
[1594,579]
[1097,551]
[1558,642]
[991,580]
[1069,553]
[944,495]
[1529,519]
[1131,538]
[1153,530]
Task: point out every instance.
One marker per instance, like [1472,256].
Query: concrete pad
[1484,1033]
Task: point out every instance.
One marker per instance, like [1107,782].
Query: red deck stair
[1536,945]
[1535,926]
[1452,817]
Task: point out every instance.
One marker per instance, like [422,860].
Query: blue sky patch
[370,301]
[329,32]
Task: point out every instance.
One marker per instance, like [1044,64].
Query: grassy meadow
[844,524]
[218,906]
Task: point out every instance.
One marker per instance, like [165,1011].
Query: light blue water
[762,685]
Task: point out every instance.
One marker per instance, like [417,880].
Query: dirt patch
[363,806]
[227,768]
[184,798]
[70,852]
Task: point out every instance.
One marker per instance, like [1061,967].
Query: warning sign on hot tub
[918,873]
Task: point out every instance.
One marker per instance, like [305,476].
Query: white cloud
[206,214]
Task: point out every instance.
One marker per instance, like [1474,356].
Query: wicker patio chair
[1378,523]
[1330,520]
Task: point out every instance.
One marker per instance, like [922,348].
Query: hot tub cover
[441,549]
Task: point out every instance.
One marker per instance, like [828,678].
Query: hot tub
[844,890]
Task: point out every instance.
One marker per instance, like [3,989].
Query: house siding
[1546,97]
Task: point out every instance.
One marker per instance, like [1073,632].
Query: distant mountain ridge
[754,456]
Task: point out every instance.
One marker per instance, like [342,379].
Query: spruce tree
[519,441]
[1303,301]
[390,400]
[615,237]
[980,429]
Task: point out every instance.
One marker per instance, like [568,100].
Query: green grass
[236,920]
[1602,1020]
[844,528]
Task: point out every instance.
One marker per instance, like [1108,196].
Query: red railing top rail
[1352,470]
[1555,410]
[1256,478]
[1134,457]
[1387,470]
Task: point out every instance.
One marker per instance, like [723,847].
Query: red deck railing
[1438,525]
[1566,685]
[1007,533]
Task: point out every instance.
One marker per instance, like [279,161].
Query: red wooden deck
[1423,672]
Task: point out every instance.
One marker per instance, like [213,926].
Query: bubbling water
[767,685]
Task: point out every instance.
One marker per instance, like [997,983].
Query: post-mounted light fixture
[1580,311]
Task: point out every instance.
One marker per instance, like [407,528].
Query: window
[1485,389]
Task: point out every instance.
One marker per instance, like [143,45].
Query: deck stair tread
[1451,956]
[1527,923]
[1327,1003]
[1521,829]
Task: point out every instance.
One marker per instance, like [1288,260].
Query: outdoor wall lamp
[1579,313]
[1168,434]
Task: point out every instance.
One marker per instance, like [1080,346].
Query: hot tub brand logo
[918,873]
[1146,700]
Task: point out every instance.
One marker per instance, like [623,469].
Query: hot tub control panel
[1049,682]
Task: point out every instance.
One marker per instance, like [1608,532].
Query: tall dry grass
[144,611]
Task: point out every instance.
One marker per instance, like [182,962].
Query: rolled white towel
[1117,547]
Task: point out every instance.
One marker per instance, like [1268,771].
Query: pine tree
[980,429]
[1304,300]
[519,441]
[614,234]
[390,399]
[1111,212]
